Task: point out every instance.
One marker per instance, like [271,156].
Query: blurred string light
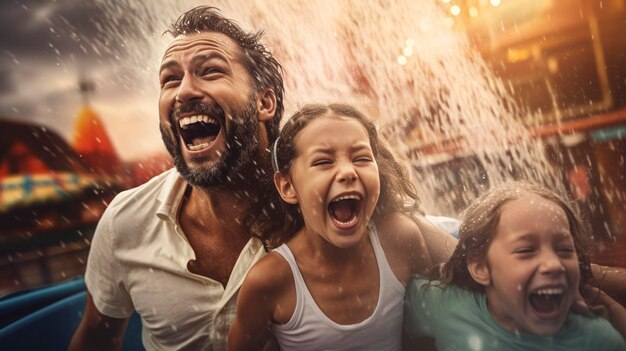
[408,48]
[517,54]
[455,10]
[407,51]
[458,11]
[471,8]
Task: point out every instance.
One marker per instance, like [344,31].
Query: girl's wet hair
[275,221]
[479,223]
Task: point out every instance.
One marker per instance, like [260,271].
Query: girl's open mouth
[344,211]
[546,302]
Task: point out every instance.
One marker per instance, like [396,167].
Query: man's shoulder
[134,213]
[145,197]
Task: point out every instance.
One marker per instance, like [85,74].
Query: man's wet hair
[264,69]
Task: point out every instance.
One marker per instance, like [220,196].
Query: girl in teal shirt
[512,279]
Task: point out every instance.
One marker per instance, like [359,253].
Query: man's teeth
[197,147]
[549,291]
[347,197]
[185,121]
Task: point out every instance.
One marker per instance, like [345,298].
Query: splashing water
[396,59]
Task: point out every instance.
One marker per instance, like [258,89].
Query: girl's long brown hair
[274,221]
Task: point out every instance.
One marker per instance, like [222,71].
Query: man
[175,249]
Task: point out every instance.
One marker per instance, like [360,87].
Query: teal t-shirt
[458,319]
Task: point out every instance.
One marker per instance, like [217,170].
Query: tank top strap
[387,276]
[301,288]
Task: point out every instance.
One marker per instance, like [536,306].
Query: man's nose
[188,90]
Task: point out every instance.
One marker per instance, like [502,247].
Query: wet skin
[532,253]
[339,164]
[203,69]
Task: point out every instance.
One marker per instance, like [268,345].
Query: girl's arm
[403,243]
[611,309]
[616,313]
[612,280]
[440,244]
[255,307]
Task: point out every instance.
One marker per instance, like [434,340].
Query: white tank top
[310,329]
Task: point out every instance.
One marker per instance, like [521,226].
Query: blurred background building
[52,194]
[563,61]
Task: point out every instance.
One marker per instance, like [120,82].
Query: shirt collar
[170,196]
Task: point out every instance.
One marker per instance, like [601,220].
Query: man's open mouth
[198,132]
[344,210]
[547,301]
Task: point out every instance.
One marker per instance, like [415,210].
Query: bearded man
[176,249]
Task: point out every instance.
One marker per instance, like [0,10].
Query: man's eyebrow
[167,64]
[208,56]
[196,59]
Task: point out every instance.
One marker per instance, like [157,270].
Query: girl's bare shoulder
[270,275]
[397,229]
[403,244]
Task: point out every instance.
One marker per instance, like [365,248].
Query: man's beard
[241,140]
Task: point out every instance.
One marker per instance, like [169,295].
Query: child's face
[532,267]
[335,179]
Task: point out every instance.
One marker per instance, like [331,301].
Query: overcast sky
[48,45]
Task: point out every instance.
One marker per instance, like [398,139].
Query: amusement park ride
[561,61]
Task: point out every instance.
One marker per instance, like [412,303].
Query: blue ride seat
[449,225]
[46,318]
[19,304]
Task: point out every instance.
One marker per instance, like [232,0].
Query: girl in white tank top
[344,248]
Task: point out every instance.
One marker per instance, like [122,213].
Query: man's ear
[266,105]
[479,270]
[285,188]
